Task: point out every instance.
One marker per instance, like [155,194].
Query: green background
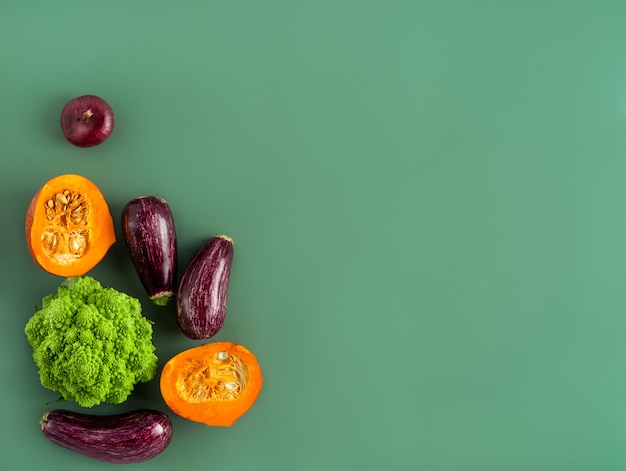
[428,206]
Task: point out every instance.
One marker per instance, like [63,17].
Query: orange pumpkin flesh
[215,383]
[69,227]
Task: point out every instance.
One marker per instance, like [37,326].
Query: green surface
[427,201]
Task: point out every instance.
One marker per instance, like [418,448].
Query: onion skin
[150,236]
[127,438]
[203,289]
[87,121]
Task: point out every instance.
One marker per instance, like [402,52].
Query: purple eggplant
[150,235]
[203,289]
[126,438]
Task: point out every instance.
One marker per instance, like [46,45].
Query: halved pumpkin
[215,383]
[69,228]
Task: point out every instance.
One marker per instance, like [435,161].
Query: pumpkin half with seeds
[214,384]
[69,228]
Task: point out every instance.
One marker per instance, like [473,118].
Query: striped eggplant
[150,236]
[203,289]
[130,437]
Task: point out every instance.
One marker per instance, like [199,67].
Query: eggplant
[150,236]
[203,289]
[130,437]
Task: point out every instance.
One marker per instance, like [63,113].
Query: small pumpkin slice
[69,227]
[214,384]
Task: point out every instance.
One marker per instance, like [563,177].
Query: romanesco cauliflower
[91,343]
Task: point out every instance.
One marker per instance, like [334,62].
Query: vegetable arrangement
[91,343]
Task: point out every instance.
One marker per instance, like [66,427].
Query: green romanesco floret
[91,343]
